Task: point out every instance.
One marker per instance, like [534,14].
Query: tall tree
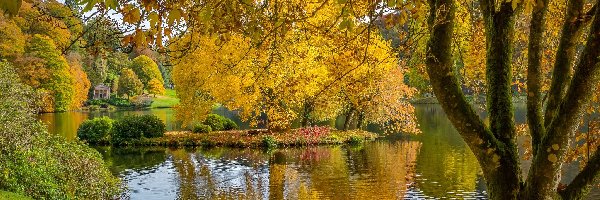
[146,69]
[44,68]
[495,145]
[129,83]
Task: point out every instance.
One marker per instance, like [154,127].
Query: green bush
[214,121]
[95,131]
[96,102]
[135,127]
[40,165]
[201,128]
[356,140]
[119,102]
[230,124]
[220,123]
[269,142]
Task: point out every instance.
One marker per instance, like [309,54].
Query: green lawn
[11,196]
[165,101]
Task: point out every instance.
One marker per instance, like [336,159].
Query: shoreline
[253,138]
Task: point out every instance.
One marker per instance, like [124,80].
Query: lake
[433,164]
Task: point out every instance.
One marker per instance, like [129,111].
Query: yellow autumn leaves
[300,74]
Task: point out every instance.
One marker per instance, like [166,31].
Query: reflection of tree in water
[65,124]
[377,170]
[220,173]
[186,173]
[137,159]
[447,166]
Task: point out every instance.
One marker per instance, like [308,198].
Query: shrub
[119,102]
[201,128]
[93,107]
[230,125]
[155,126]
[214,121]
[220,123]
[42,165]
[141,101]
[95,131]
[269,142]
[135,127]
[356,140]
[96,102]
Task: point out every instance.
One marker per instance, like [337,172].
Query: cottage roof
[101,87]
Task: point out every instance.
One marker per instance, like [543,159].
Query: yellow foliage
[156,87]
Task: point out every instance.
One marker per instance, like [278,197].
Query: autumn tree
[146,69]
[43,68]
[13,40]
[129,83]
[156,87]
[81,84]
[552,130]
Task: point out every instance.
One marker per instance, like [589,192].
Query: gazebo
[101,91]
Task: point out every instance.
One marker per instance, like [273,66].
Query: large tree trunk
[308,108]
[495,147]
[348,120]
[361,120]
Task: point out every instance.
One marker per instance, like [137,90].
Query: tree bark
[361,120]
[500,29]
[308,108]
[499,163]
[565,56]
[348,120]
[534,74]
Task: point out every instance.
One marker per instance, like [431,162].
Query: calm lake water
[434,164]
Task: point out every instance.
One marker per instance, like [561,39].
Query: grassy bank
[165,101]
[256,138]
[12,196]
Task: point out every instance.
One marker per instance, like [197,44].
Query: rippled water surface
[435,164]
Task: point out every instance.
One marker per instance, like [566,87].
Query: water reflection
[382,169]
[445,165]
[66,123]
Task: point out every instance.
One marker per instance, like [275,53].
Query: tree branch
[571,31]
[581,185]
[545,169]
[534,74]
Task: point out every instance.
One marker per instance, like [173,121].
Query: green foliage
[269,142]
[119,102]
[95,131]
[12,196]
[38,164]
[96,102]
[356,140]
[129,84]
[229,124]
[220,123]
[201,128]
[215,122]
[59,81]
[146,69]
[135,127]
[114,101]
